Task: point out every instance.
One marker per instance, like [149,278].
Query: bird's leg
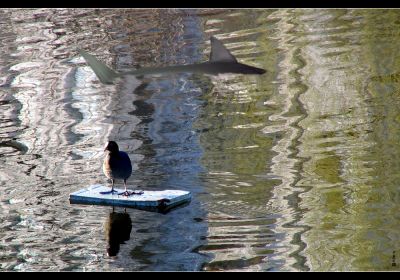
[128,193]
[112,188]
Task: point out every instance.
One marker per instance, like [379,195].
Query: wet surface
[294,170]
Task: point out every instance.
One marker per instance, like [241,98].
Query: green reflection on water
[338,71]
[352,205]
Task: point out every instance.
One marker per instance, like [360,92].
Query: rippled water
[297,169]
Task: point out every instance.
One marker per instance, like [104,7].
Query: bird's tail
[105,74]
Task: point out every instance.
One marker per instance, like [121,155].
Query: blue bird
[117,165]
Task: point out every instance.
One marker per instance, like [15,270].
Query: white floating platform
[159,201]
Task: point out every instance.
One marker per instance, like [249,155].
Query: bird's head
[112,147]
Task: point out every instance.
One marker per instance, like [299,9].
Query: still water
[294,170]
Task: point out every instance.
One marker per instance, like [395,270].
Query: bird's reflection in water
[118,228]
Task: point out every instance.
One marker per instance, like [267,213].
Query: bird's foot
[109,192]
[129,193]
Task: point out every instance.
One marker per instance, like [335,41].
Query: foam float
[156,201]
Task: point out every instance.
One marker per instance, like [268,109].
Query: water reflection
[293,170]
[63,148]
[118,227]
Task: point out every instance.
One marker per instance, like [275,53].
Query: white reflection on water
[284,125]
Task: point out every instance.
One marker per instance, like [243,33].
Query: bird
[117,165]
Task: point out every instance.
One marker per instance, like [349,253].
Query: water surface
[294,170]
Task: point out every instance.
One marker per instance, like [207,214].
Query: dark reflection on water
[118,227]
[293,170]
